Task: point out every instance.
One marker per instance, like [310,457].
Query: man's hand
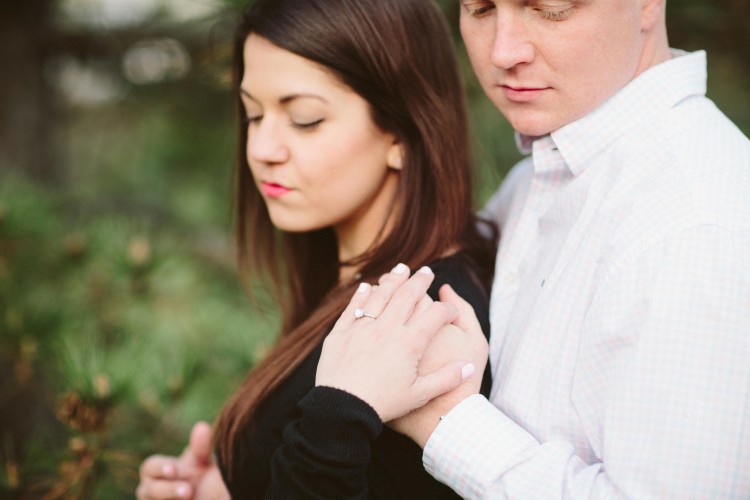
[191,475]
[463,339]
[376,359]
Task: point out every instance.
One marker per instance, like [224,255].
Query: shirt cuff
[474,445]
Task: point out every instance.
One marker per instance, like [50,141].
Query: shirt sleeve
[325,453]
[664,354]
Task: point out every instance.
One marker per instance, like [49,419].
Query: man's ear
[652,13]
[394,158]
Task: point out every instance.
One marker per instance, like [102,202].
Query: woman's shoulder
[461,273]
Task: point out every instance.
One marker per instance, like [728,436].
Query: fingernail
[467,371]
[362,288]
[425,270]
[168,471]
[400,269]
[182,491]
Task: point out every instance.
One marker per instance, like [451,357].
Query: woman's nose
[265,143]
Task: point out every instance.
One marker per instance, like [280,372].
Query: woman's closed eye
[298,124]
[306,124]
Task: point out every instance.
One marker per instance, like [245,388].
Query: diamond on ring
[360,313]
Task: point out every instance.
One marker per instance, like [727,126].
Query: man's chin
[532,124]
[532,130]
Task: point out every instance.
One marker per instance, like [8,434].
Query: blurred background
[122,320]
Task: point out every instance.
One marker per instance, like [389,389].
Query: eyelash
[549,15]
[555,15]
[249,120]
[479,11]
[307,126]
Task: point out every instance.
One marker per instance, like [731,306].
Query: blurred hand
[192,475]
[463,339]
[376,359]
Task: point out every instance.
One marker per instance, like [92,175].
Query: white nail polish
[400,269]
[362,288]
[168,471]
[467,371]
[425,270]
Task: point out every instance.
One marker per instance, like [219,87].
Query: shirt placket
[513,266]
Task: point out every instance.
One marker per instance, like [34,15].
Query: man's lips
[522,94]
[273,190]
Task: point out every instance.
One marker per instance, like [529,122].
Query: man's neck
[655,50]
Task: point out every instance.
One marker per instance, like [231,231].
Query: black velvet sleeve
[325,454]
[326,451]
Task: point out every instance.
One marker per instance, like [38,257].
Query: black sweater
[323,443]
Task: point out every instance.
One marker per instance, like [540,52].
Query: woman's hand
[192,475]
[378,342]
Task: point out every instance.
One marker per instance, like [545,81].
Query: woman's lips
[522,94]
[274,190]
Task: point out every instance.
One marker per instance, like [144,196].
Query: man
[621,303]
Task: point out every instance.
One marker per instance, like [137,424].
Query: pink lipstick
[274,190]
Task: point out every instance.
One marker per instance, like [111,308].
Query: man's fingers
[445,379]
[467,318]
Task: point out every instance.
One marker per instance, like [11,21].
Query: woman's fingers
[423,304]
[376,358]
[403,300]
[368,302]
[164,490]
[357,301]
[159,481]
[159,467]
[381,295]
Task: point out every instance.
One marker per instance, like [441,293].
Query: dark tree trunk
[26,102]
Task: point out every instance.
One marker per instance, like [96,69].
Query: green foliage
[118,336]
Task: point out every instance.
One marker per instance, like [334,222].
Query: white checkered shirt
[620,311]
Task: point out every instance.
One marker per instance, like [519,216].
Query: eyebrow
[288,98]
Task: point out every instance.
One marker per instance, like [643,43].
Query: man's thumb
[467,318]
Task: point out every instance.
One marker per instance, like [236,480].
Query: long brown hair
[398,56]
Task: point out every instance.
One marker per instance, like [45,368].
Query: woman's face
[314,152]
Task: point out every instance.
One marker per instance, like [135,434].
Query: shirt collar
[656,89]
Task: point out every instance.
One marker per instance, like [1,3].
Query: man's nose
[512,44]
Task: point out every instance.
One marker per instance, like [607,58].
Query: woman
[353,157]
